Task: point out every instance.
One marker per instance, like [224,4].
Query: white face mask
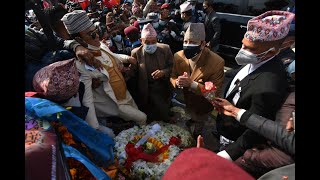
[150,48]
[25,28]
[246,57]
[117,38]
[155,25]
[109,43]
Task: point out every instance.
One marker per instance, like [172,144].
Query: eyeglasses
[93,33]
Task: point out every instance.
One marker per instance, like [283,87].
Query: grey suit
[213,30]
[271,130]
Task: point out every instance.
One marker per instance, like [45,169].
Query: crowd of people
[131,56]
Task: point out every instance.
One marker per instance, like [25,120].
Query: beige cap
[195,32]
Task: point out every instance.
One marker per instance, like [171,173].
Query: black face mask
[205,10]
[191,51]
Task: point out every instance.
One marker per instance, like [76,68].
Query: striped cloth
[76,21]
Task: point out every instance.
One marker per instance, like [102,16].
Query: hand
[225,107]
[184,80]
[85,56]
[165,31]
[96,83]
[200,143]
[132,60]
[289,126]
[157,74]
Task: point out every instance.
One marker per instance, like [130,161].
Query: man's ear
[203,44]
[81,41]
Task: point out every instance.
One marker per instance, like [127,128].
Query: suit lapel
[245,82]
[199,68]
[142,64]
[185,65]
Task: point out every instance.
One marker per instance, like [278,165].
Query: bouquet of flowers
[170,141]
[209,91]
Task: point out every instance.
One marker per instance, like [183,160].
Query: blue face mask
[117,38]
[150,48]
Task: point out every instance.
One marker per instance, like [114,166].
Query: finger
[219,99]
[199,141]
[152,74]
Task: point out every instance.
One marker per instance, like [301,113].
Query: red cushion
[200,163]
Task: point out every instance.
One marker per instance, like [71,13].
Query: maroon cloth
[165,5]
[258,161]
[136,24]
[200,163]
[58,81]
[42,155]
[131,29]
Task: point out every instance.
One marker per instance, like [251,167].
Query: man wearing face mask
[195,8]
[186,16]
[192,67]
[111,98]
[153,71]
[155,20]
[259,86]
[117,42]
[212,25]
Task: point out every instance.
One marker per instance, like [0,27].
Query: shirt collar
[93,47]
[253,67]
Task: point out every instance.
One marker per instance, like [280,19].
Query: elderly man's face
[260,47]
[148,40]
[90,36]
[191,42]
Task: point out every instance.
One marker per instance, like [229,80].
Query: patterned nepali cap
[148,31]
[269,26]
[76,21]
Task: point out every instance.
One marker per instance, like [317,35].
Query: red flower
[174,140]
[208,86]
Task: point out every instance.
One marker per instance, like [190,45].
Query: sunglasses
[93,33]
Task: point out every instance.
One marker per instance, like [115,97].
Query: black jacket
[37,44]
[262,92]
[213,29]
[270,130]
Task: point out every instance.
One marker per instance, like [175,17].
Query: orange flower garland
[157,144]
